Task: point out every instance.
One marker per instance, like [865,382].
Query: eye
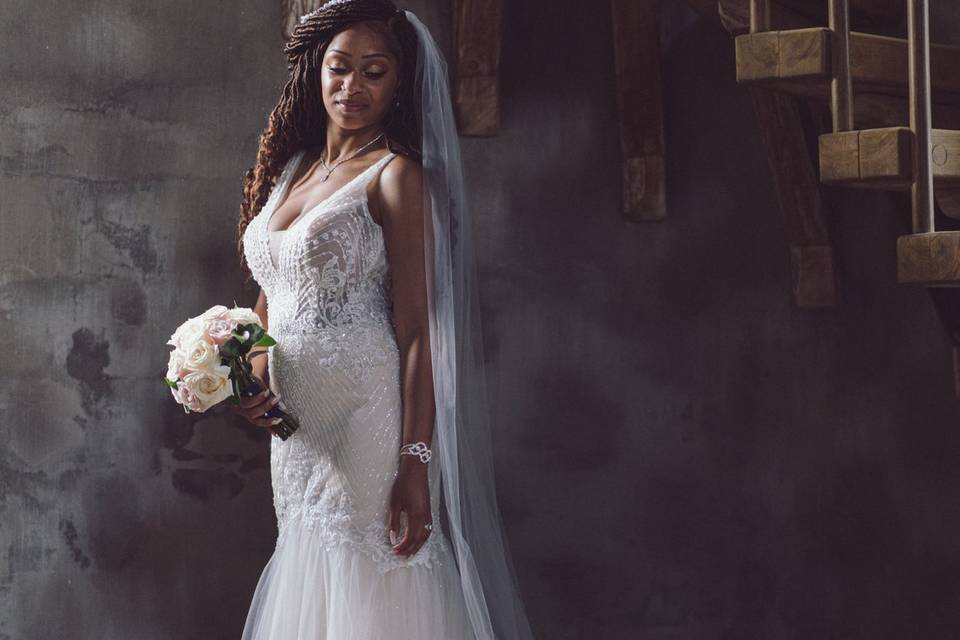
[376,75]
[337,70]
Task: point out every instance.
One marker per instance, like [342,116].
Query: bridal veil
[462,425]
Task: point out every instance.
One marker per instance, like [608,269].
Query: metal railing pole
[918,33]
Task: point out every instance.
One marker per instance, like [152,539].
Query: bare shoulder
[398,190]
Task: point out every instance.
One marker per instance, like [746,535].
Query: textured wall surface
[681,452]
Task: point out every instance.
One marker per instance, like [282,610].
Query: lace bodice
[336,367]
[331,267]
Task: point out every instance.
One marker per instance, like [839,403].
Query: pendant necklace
[329,171]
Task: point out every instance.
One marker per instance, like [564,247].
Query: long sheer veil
[462,427]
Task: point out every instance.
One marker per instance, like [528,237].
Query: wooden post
[759,16]
[798,192]
[918,27]
[841,87]
[636,44]
[476,66]
[292,10]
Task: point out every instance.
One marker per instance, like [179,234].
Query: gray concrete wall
[681,452]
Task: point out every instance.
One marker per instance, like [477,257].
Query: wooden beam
[798,61]
[291,10]
[640,108]
[801,203]
[477,26]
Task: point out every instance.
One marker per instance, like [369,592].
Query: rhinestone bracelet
[418,449]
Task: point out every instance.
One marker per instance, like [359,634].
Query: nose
[349,84]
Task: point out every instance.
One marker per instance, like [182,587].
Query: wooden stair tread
[931,259]
[798,61]
[883,158]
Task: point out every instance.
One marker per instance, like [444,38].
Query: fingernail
[277,421]
[393,537]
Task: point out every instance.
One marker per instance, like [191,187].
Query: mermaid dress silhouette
[336,365]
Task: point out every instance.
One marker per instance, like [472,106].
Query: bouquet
[210,362]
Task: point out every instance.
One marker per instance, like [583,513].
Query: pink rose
[218,324]
[185,396]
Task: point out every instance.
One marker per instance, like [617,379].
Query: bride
[355,226]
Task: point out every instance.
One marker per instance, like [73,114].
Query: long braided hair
[300,119]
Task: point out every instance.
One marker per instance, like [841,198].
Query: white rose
[245,315]
[211,386]
[187,333]
[201,355]
[175,364]
[214,311]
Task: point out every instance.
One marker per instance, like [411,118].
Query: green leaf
[170,383]
[265,341]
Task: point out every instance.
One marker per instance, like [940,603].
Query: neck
[341,143]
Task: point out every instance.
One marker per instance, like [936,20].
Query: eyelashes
[372,75]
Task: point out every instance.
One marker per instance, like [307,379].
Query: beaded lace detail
[336,366]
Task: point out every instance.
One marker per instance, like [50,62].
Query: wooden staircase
[838,65]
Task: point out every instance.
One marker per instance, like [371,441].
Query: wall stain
[17,481]
[133,240]
[224,474]
[203,484]
[69,478]
[85,362]
[128,302]
[117,534]
[37,162]
[69,532]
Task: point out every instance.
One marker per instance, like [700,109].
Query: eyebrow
[369,55]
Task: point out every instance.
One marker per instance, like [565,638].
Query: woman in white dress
[354,225]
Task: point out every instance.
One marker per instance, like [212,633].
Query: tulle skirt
[307,592]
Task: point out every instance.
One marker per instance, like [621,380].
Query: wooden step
[931,259]
[798,61]
[883,158]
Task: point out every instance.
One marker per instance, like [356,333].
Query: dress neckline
[283,188]
[285,191]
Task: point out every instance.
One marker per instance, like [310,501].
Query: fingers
[415,535]
[248,402]
[255,408]
[394,519]
[258,412]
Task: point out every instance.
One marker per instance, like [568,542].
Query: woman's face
[359,78]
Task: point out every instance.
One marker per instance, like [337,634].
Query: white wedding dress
[336,366]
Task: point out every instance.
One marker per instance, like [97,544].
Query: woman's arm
[259,364]
[400,204]
[254,408]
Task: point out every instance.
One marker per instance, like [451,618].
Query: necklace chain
[352,155]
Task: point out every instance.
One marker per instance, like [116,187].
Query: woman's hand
[410,494]
[254,408]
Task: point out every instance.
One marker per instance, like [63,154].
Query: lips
[351,105]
